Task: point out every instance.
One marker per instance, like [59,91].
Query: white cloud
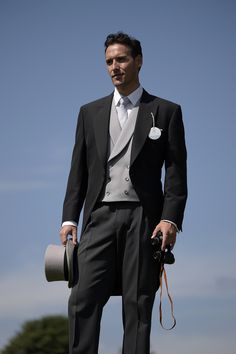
[104,348]
[172,343]
[26,293]
[36,174]
[26,289]
[210,276]
[22,186]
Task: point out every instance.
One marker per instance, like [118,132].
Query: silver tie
[122,110]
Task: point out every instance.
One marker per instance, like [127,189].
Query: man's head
[122,38]
[124,60]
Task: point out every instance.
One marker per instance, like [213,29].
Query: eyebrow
[121,56]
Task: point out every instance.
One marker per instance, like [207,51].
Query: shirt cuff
[69,223]
[172,223]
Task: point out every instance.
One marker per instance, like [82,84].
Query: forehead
[116,50]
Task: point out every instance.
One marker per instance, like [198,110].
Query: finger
[164,241]
[171,245]
[171,239]
[63,240]
[74,236]
[63,236]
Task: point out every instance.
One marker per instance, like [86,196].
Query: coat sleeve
[175,184]
[78,176]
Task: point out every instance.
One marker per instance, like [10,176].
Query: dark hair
[125,39]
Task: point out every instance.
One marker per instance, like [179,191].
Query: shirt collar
[134,97]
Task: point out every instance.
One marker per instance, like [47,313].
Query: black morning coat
[88,168]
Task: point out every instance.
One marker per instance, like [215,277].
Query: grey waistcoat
[118,186]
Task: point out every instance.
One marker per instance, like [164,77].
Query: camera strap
[163,274]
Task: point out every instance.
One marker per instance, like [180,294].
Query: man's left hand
[168,231]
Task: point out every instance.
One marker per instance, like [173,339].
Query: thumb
[156,230]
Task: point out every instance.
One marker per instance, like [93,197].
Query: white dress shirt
[134,98]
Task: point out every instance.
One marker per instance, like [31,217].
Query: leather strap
[163,273]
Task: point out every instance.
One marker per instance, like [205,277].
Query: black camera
[166,256]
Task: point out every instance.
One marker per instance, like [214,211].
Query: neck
[126,91]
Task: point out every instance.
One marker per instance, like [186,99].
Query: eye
[122,59]
[109,62]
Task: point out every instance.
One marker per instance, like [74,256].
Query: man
[121,146]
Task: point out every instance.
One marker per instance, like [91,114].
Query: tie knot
[124,101]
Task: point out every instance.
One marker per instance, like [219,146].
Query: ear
[139,61]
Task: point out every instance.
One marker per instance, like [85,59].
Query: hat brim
[71,262]
[60,263]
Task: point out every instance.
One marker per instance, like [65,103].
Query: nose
[115,65]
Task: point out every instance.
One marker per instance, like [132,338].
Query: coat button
[127,179]
[126,192]
[108,193]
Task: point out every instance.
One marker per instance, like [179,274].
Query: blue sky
[52,62]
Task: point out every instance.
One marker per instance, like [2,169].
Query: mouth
[117,76]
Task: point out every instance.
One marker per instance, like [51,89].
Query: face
[123,68]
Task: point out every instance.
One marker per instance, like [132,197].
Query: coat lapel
[101,127]
[125,134]
[144,123]
[115,128]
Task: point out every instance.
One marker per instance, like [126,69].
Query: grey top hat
[60,263]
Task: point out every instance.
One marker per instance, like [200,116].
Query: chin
[118,83]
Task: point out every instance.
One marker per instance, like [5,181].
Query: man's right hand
[68,230]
